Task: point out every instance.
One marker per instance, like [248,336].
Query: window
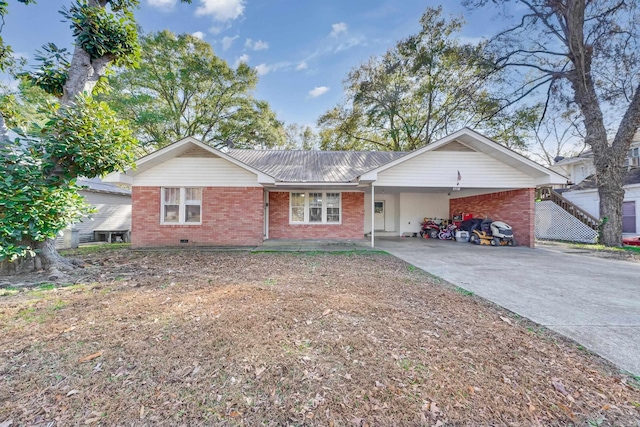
[181,205]
[297,207]
[315,208]
[333,207]
[171,205]
[634,157]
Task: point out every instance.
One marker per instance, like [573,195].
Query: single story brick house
[191,194]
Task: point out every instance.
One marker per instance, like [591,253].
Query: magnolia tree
[82,137]
[585,54]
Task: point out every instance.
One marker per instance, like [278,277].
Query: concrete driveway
[594,301]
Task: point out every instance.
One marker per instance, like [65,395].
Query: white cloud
[263,69]
[260,45]
[352,42]
[318,90]
[162,4]
[215,30]
[257,45]
[220,10]
[227,42]
[198,34]
[302,66]
[242,58]
[338,28]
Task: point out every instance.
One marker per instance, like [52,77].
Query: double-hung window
[181,205]
[315,208]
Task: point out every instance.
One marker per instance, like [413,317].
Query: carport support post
[373,221]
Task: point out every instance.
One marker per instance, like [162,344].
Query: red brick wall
[231,216]
[515,207]
[352,226]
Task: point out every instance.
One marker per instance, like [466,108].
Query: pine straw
[198,338]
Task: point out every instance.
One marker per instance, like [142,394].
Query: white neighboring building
[584,193]
[111,221]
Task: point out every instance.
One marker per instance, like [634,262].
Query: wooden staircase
[548,193]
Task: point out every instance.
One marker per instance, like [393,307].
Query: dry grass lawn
[352,339]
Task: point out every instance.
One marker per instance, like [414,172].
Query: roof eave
[314,184]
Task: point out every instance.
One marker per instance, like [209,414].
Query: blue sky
[301,49]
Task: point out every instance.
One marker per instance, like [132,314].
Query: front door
[629,217]
[378,215]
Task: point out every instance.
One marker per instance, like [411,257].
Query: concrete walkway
[594,301]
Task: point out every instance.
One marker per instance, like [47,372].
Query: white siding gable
[440,169]
[196,172]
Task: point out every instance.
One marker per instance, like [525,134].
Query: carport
[464,172]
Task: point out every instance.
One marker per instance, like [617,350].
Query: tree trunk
[84,74]
[611,196]
[47,258]
[608,159]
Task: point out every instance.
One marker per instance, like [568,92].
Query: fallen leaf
[557,384]
[567,410]
[532,408]
[604,408]
[309,415]
[92,420]
[234,414]
[347,376]
[379,384]
[505,319]
[72,392]
[327,311]
[142,412]
[471,390]
[90,357]
[7,423]
[260,370]
[434,409]
[195,370]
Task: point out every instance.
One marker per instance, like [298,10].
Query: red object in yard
[631,241]
[458,218]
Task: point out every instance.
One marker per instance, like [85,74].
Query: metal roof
[96,184]
[591,182]
[314,166]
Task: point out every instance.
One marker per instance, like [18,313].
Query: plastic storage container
[462,236]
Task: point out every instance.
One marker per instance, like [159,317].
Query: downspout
[266,214]
[373,221]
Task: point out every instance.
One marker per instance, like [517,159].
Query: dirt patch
[198,338]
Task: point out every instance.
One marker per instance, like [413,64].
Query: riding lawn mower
[488,232]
